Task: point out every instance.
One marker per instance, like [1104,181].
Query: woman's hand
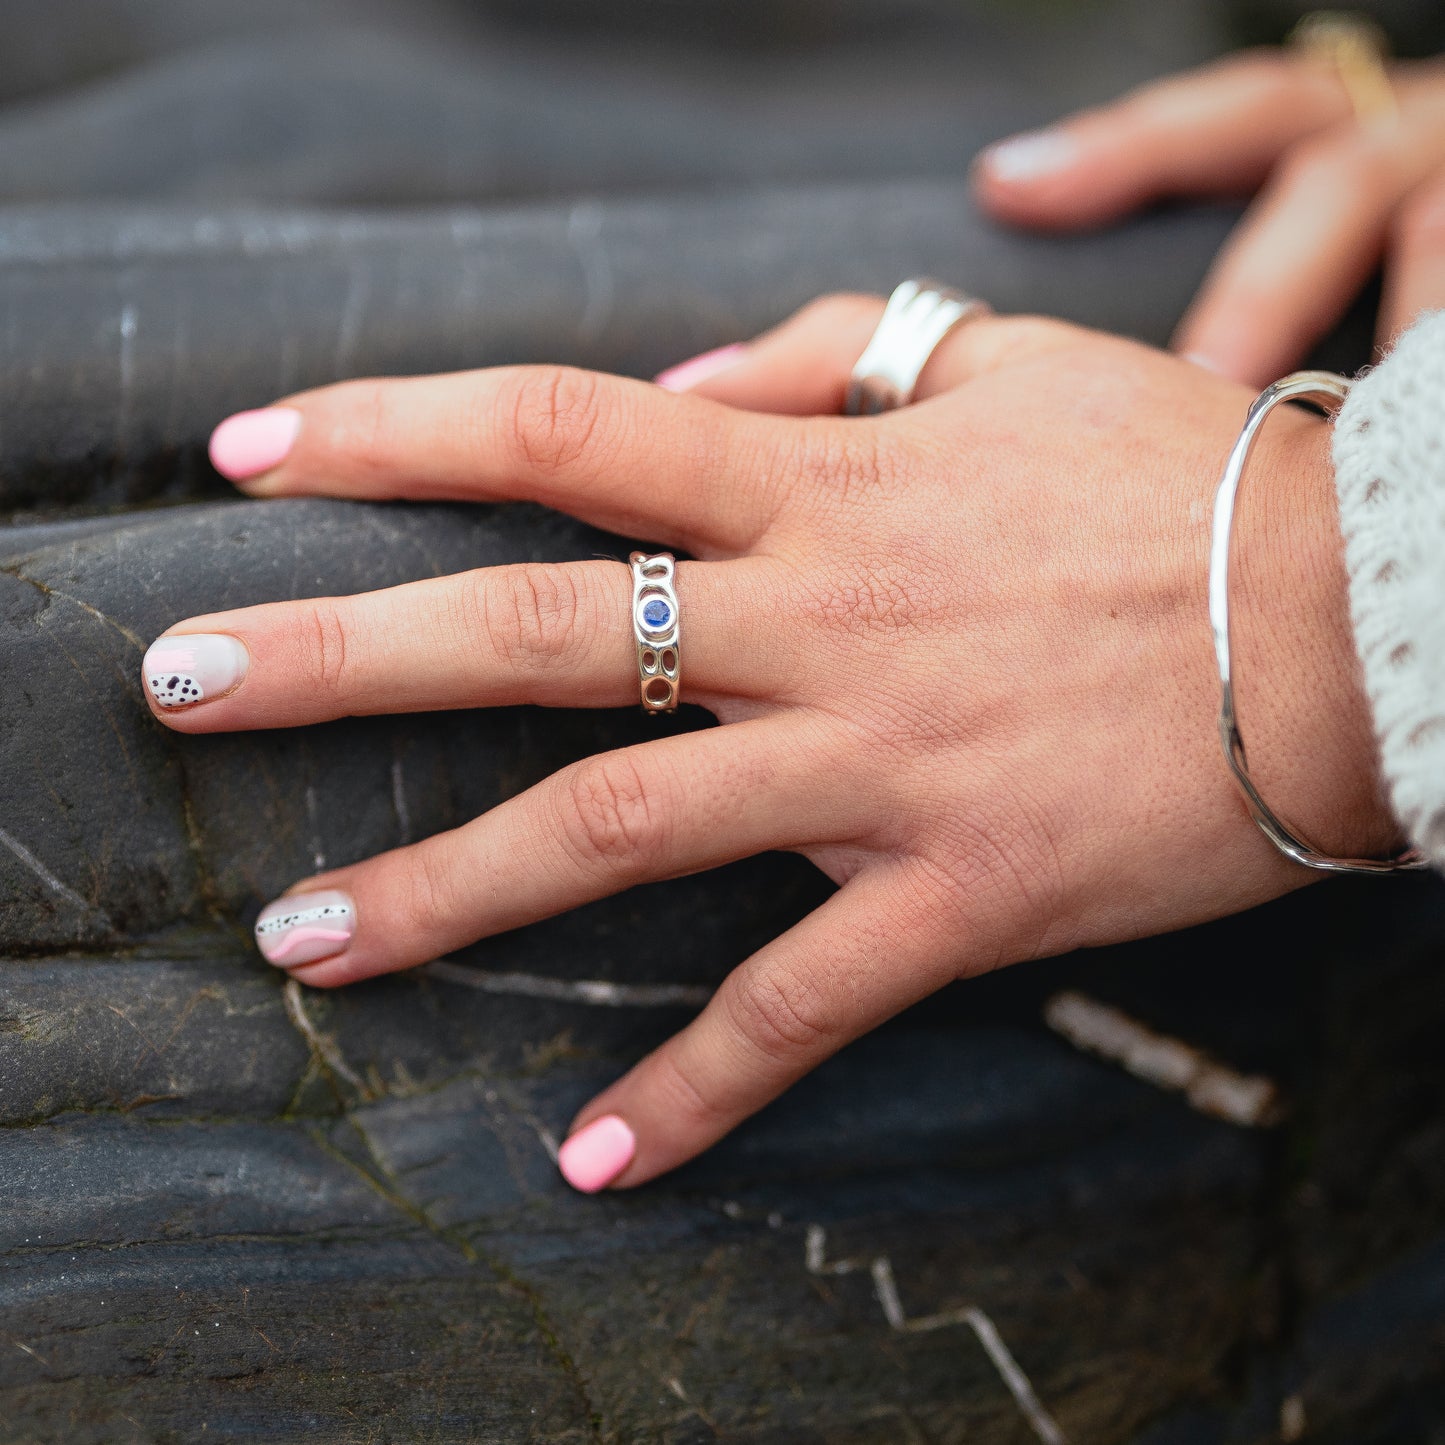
[960,653]
[1336,196]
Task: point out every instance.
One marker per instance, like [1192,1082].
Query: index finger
[617,453]
[1216,130]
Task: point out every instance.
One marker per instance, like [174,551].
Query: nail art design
[594,1156]
[305,927]
[184,670]
[178,690]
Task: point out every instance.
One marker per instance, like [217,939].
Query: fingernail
[1031,156]
[188,668]
[593,1157]
[305,927]
[689,374]
[1198,358]
[252,442]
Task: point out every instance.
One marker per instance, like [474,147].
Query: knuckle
[428,892]
[531,614]
[368,426]
[552,417]
[870,601]
[611,817]
[886,591]
[327,646]
[847,463]
[783,1015]
[686,1100]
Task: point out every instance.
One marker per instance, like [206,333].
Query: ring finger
[551,634]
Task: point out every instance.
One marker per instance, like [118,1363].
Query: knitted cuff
[1389,452]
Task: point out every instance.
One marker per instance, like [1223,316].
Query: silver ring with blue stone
[655,630]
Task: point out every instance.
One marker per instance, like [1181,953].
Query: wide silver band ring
[655,630]
[919,314]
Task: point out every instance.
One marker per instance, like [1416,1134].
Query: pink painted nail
[188,668]
[593,1157]
[252,442]
[1030,157]
[305,927]
[689,374]
[1198,358]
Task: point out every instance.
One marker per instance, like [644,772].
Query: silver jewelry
[919,314]
[1326,390]
[655,630]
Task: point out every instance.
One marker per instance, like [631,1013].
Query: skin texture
[990,716]
[1335,197]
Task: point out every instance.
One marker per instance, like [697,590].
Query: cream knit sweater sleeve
[1389,451]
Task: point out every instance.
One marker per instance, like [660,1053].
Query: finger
[616,453]
[1216,130]
[1303,252]
[658,810]
[558,635]
[809,359]
[800,368]
[804,365]
[1415,268]
[843,970]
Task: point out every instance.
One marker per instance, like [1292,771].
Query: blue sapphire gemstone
[656,613]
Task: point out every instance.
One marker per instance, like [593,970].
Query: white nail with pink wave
[186,668]
[305,927]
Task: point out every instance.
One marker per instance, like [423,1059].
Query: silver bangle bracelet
[1326,390]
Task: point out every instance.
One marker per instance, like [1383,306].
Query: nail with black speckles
[183,669]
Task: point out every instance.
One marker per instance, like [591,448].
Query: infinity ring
[919,314]
[654,628]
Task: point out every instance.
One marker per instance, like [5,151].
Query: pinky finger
[840,972]
[1415,267]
